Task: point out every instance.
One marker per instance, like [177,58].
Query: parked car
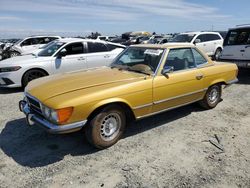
[144,80]
[237,46]
[105,38]
[63,55]
[210,42]
[28,44]
[136,40]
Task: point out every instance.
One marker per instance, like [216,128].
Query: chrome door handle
[199,76]
[106,56]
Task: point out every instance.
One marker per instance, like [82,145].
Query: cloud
[11,18]
[124,10]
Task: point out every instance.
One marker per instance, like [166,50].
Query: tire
[106,127]
[217,54]
[14,54]
[212,97]
[32,75]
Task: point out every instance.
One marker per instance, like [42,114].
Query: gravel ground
[167,150]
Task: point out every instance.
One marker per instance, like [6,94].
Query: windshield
[139,59]
[183,38]
[51,49]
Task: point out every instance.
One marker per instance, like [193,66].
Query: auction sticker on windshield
[153,52]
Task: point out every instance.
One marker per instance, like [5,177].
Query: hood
[51,86]
[19,60]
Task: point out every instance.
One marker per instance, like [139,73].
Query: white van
[237,46]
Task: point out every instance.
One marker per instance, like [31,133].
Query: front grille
[34,106]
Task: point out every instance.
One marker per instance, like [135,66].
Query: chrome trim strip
[142,106]
[232,81]
[167,109]
[168,99]
[172,98]
[50,127]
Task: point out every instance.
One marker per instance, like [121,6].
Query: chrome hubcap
[110,126]
[213,96]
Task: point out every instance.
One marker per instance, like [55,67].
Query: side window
[27,42]
[112,47]
[41,40]
[97,47]
[212,37]
[75,48]
[180,59]
[202,38]
[199,59]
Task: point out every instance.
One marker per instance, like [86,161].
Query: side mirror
[166,70]
[62,53]
[197,41]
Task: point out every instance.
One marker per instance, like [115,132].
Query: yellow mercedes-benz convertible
[143,80]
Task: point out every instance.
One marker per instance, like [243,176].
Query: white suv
[30,44]
[210,42]
[237,46]
[63,55]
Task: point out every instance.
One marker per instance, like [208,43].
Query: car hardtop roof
[71,40]
[200,32]
[67,40]
[39,36]
[165,46]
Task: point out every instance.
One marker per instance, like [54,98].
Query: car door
[29,45]
[98,55]
[204,44]
[182,86]
[73,58]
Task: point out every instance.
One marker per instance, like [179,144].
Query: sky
[20,18]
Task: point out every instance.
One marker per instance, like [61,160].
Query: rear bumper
[239,63]
[48,126]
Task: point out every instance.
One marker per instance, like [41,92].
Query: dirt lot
[167,150]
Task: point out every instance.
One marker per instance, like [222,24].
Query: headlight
[57,116]
[10,69]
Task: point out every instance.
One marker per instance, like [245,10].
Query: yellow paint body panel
[86,91]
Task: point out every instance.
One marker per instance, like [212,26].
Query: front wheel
[217,54]
[106,127]
[32,75]
[14,54]
[212,97]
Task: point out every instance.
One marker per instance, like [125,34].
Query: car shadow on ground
[33,147]
[244,76]
[10,90]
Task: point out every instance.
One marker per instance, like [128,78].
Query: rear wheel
[32,75]
[106,127]
[212,97]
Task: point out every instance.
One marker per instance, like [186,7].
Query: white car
[237,46]
[60,56]
[26,45]
[209,42]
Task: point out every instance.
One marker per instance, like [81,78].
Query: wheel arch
[120,102]
[35,68]
[219,81]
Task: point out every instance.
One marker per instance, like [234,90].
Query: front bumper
[48,126]
[10,79]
